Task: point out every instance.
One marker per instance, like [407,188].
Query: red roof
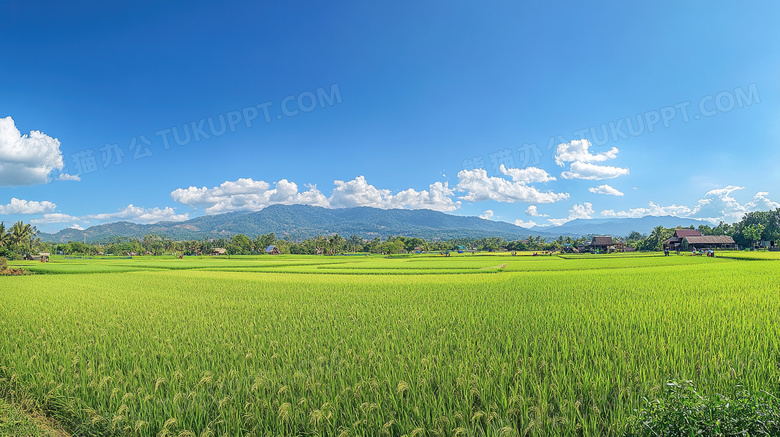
[682,233]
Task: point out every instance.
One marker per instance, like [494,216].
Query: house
[44,256]
[700,242]
[272,250]
[675,241]
[218,251]
[601,244]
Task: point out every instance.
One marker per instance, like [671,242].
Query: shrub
[682,411]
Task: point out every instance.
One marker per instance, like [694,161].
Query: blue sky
[151,111]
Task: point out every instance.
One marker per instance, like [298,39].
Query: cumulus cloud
[478,186]
[487,214]
[358,192]
[582,161]
[593,172]
[533,212]
[19,206]
[68,177]
[524,224]
[247,194]
[652,209]
[578,211]
[606,190]
[77,227]
[140,215]
[716,205]
[56,217]
[26,159]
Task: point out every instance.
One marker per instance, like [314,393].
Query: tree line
[21,239]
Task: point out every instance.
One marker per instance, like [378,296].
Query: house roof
[709,239]
[270,248]
[219,249]
[682,233]
[601,241]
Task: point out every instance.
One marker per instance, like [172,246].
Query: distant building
[272,250]
[219,251]
[675,242]
[602,244]
[701,242]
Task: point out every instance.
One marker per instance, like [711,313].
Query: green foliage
[682,411]
[753,232]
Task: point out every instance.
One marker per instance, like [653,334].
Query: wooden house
[601,244]
[272,250]
[675,241]
[219,251]
[703,242]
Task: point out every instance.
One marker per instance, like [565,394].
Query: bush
[684,412]
[3,264]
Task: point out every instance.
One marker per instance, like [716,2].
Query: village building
[675,241]
[602,244]
[272,250]
[706,242]
[219,251]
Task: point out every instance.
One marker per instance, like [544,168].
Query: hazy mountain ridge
[618,227]
[303,221]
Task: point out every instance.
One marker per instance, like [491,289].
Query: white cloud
[19,206]
[606,190]
[578,154]
[524,224]
[578,211]
[527,175]
[487,214]
[358,192]
[53,218]
[247,194]
[716,205]
[533,212]
[437,198]
[77,227]
[577,151]
[653,209]
[140,215]
[68,177]
[478,186]
[593,172]
[26,159]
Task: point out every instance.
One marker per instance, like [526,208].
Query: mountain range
[304,221]
[618,227]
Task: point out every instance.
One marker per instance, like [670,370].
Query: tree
[5,237]
[242,244]
[753,232]
[22,234]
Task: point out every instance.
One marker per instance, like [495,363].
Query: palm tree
[5,237]
[19,233]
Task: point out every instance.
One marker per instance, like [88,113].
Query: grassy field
[422,345]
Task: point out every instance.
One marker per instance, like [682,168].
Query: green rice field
[424,345]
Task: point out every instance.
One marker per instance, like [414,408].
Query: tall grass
[520,351]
